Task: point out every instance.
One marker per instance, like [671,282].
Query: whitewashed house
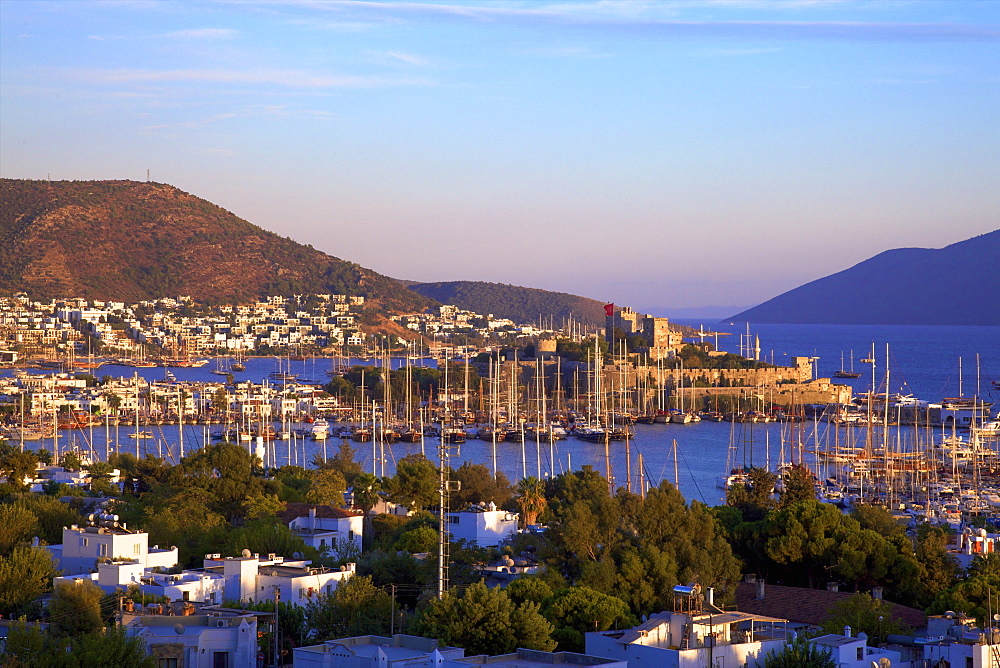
[324,527]
[82,547]
[250,578]
[483,525]
[217,639]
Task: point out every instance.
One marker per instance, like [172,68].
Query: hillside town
[223,516]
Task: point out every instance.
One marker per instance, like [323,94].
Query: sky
[669,156]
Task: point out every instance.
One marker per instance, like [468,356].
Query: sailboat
[843,373]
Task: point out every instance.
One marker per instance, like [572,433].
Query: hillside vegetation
[518,303]
[131,240]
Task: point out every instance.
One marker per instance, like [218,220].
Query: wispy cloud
[408,58]
[204,33]
[196,123]
[277,77]
[657,19]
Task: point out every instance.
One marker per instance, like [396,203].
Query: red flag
[609,310]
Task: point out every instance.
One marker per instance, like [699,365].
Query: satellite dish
[884,662]
[246,553]
[179,629]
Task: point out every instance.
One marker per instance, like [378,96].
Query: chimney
[312,519]
[760,590]
[877,593]
[750,577]
[847,631]
[833,586]
[710,591]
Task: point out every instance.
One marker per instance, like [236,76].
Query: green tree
[70,461]
[479,485]
[575,611]
[798,484]
[109,648]
[419,539]
[327,487]
[415,484]
[25,574]
[800,653]
[863,613]
[76,608]
[531,501]
[52,516]
[484,621]
[17,526]
[16,465]
[343,462]
[355,608]
[530,588]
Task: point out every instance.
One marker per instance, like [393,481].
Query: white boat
[320,430]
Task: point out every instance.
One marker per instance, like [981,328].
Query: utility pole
[445,487]
[277,628]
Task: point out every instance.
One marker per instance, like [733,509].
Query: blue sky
[658,154]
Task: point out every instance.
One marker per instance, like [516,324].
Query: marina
[862,452]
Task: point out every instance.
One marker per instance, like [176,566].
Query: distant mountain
[955,285]
[130,240]
[520,304]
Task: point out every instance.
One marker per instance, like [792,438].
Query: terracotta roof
[293,510]
[809,606]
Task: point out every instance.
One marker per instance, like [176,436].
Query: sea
[927,362]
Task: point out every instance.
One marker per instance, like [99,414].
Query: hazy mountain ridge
[520,304]
[955,285]
[131,240]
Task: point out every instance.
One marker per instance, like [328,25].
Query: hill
[520,304]
[955,285]
[129,240]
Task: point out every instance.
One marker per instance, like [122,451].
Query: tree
[479,485]
[16,465]
[864,613]
[327,487]
[110,648]
[415,484]
[530,499]
[800,653]
[25,574]
[355,608]
[343,462]
[17,526]
[576,610]
[798,485]
[70,461]
[484,621]
[76,608]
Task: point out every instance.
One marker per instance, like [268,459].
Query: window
[220,660]
[350,535]
[861,654]
[135,549]
[322,543]
[453,519]
[84,542]
[102,550]
[166,663]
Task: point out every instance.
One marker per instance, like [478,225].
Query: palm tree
[531,499]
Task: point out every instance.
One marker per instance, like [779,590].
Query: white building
[218,639]
[483,525]
[325,527]
[854,652]
[83,546]
[250,578]
[692,636]
[375,652]
[193,586]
